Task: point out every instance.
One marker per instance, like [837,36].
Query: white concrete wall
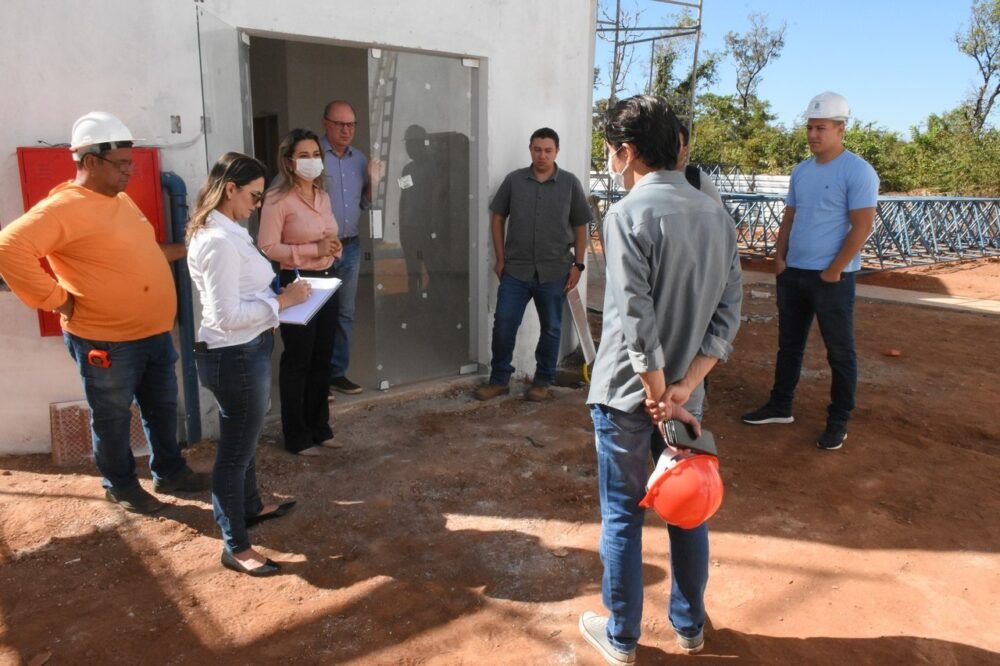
[62,58]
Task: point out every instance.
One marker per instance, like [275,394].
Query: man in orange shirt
[115,292]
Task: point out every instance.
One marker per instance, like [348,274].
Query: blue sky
[896,62]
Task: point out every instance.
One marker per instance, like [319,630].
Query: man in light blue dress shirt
[350,178]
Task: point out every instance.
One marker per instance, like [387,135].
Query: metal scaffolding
[908,230]
[622,41]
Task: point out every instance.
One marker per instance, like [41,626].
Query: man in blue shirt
[350,179]
[829,213]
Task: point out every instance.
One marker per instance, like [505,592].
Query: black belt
[289,276]
[348,240]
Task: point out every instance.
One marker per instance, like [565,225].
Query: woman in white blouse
[238,315]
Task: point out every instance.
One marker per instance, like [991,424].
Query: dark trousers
[802,295]
[304,376]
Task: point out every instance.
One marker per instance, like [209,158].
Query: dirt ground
[448,531]
[975,278]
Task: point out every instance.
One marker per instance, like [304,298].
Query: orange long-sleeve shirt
[104,252]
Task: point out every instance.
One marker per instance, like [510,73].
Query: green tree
[753,50]
[981,42]
[887,153]
[949,157]
[678,90]
[597,157]
[674,53]
[726,133]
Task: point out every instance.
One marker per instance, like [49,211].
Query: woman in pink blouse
[298,230]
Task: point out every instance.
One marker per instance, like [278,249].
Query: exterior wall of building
[140,60]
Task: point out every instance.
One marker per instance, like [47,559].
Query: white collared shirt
[234,281]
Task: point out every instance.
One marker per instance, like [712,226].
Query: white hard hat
[96,128]
[828,105]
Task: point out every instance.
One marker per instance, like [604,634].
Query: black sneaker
[185,481]
[345,385]
[134,500]
[832,438]
[768,414]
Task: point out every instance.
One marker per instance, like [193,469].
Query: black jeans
[304,374]
[802,294]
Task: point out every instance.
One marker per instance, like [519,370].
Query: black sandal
[282,510]
[230,562]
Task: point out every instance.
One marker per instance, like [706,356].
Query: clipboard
[322,290]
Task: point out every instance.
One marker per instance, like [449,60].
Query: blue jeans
[346,269]
[512,299]
[802,295]
[143,371]
[624,445]
[240,379]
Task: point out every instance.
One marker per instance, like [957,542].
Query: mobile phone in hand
[680,435]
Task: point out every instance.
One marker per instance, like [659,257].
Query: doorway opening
[416,315]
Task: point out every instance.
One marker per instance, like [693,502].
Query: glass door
[423,130]
[224,52]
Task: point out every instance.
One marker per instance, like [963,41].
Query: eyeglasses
[122,165]
[257,197]
[340,125]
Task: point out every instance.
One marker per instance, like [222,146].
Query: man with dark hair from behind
[671,312]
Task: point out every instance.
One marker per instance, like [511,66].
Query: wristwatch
[580,267]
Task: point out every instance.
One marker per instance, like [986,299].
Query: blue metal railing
[908,230]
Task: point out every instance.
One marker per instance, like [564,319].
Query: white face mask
[308,168]
[617,179]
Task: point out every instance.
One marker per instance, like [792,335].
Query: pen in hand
[294,293]
[276,283]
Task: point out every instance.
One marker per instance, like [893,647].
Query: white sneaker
[311,451]
[691,645]
[594,629]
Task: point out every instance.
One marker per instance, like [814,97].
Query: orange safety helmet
[685,489]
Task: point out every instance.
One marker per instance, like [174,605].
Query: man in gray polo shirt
[540,261]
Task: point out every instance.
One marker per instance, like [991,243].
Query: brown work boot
[538,393]
[134,500]
[490,391]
